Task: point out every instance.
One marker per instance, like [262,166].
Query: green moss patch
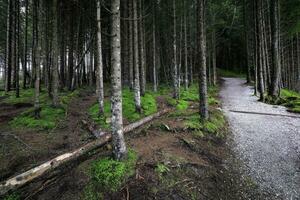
[109,175]
[49,116]
[149,106]
[288,98]
[12,197]
[213,125]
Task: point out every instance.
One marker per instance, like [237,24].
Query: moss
[101,120]
[288,98]
[49,116]
[68,96]
[26,96]
[148,103]
[191,94]
[213,125]
[90,193]
[12,197]
[110,174]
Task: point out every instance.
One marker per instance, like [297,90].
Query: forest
[161,99]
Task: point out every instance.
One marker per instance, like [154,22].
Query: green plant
[49,116]
[90,193]
[161,169]
[148,103]
[110,174]
[101,119]
[12,197]
[213,125]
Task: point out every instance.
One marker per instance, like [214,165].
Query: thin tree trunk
[55,99]
[119,147]
[131,47]
[36,59]
[175,67]
[154,50]
[137,90]
[142,49]
[17,41]
[99,59]
[25,45]
[186,78]
[203,104]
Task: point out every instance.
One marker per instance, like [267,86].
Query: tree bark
[55,99]
[25,45]
[202,61]
[276,62]
[142,49]
[154,49]
[99,59]
[176,89]
[8,47]
[137,90]
[119,147]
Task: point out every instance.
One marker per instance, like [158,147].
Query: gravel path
[268,145]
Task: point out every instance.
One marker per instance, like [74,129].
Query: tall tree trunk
[202,61]
[99,59]
[119,147]
[8,47]
[142,49]
[131,47]
[36,59]
[55,99]
[186,78]
[260,51]
[276,62]
[25,45]
[137,91]
[214,57]
[17,41]
[175,66]
[154,49]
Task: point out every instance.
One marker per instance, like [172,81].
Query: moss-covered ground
[49,115]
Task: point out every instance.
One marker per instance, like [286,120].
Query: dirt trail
[269,146]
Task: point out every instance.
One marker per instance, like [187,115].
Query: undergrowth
[49,115]
[291,100]
[214,125]
[108,175]
[192,95]
[12,197]
[148,103]
[288,98]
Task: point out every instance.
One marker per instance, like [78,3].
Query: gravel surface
[269,146]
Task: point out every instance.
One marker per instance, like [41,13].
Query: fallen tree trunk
[43,169]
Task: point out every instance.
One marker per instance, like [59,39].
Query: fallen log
[29,176]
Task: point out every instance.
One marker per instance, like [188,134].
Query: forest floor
[22,148]
[176,158]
